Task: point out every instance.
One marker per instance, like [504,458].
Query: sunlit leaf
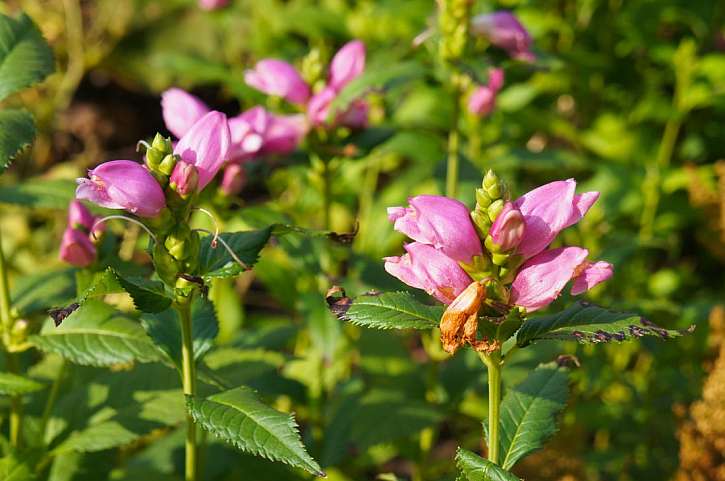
[475,468]
[17,132]
[238,417]
[391,310]
[25,57]
[216,261]
[13,384]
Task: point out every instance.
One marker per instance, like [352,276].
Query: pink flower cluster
[279,78]
[444,237]
[78,246]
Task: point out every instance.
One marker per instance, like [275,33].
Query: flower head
[206,146]
[123,184]
[277,77]
[181,110]
[76,248]
[505,31]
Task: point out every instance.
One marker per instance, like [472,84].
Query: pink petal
[277,77]
[181,110]
[206,145]
[582,204]
[318,107]
[284,133]
[347,64]
[441,222]
[76,248]
[427,268]
[547,211]
[80,216]
[591,275]
[541,279]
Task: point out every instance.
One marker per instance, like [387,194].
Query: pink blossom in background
[212,4]
[206,146]
[483,99]
[279,78]
[181,110]
[504,30]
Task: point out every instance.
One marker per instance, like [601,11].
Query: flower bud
[507,230]
[483,99]
[495,209]
[176,243]
[76,248]
[481,222]
[184,179]
[347,64]
[167,165]
[165,265]
[460,320]
[206,145]
[482,198]
[79,217]
[123,184]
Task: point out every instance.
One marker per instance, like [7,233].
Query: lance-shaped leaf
[17,132]
[475,468]
[588,323]
[238,417]
[96,334]
[164,328]
[25,57]
[39,193]
[147,295]
[216,261]
[390,310]
[529,410]
[13,384]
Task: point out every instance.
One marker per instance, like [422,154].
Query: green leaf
[13,384]
[147,295]
[25,57]
[475,468]
[39,193]
[238,417]
[97,437]
[588,323]
[529,410]
[39,292]
[96,334]
[376,77]
[217,262]
[164,329]
[17,131]
[18,467]
[391,310]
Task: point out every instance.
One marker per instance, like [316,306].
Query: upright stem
[453,147]
[11,360]
[326,193]
[493,365]
[188,375]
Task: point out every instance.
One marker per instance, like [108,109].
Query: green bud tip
[167,165]
[495,209]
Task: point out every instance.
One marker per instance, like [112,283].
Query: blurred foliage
[627,96]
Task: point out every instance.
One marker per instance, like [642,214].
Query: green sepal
[165,265]
[479,268]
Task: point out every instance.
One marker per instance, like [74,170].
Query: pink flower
[483,99]
[247,133]
[508,229]
[233,180]
[206,146]
[79,217]
[123,184]
[548,210]
[504,31]
[184,179]
[425,267]
[212,4]
[440,222]
[541,279]
[319,106]
[181,110]
[284,133]
[76,248]
[347,64]
[277,77]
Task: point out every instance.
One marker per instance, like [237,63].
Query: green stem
[653,178]
[493,365]
[453,148]
[11,360]
[326,193]
[52,397]
[188,375]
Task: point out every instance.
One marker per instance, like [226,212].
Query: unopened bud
[490,179]
[460,319]
[165,265]
[184,179]
[481,222]
[482,199]
[507,230]
[162,144]
[495,209]
[167,165]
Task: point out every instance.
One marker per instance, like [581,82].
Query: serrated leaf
[165,331]
[238,417]
[588,323]
[475,468]
[39,193]
[25,57]
[147,295]
[13,384]
[17,131]
[529,410]
[96,334]
[217,262]
[392,310]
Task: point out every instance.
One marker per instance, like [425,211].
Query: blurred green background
[628,97]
